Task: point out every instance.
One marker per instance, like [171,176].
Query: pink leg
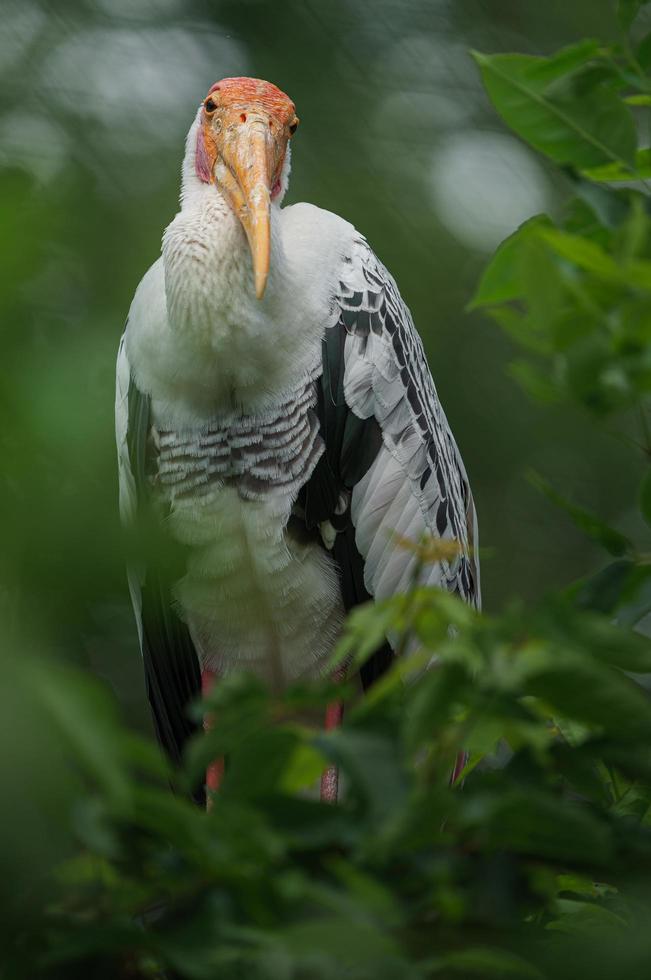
[330,778]
[215,770]
[461,761]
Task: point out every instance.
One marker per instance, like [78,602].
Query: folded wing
[392,469]
[172,673]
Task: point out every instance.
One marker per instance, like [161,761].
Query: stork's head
[244,127]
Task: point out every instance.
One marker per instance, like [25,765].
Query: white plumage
[242,431]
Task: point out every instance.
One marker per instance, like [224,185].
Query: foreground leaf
[627,11]
[597,530]
[583,129]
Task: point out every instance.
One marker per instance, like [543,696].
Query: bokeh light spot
[484,185]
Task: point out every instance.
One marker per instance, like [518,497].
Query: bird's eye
[210,105]
[293,126]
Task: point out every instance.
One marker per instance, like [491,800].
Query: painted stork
[275,410]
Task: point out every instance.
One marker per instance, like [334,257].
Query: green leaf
[643,52]
[501,280]
[635,603]
[645,497]
[603,591]
[365,631]
[597,530]
[536,97]
[530,821]
[482,961]
[613,172]
[87,719]
[591,693]
[303,769]
[589,256]
[586,918]
[257,766]
[582,252]
[535,381]
[608,643]
[581,885]
[627,11]
[631,239]
[371,765]
[347,942]
[609,206]
[432,702]
[521,328]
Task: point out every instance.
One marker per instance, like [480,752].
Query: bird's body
[280,439]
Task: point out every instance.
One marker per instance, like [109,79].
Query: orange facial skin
[254,91]
[246,124]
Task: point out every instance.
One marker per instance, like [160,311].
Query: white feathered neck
[198,339]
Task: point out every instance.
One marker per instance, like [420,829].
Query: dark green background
[95,102]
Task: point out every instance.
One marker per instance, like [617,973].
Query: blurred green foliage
[540,865]
[510,876]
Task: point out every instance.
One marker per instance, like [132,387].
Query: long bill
[244,173]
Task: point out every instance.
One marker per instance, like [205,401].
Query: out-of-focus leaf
[623,587]
[593,694]
[582,128]
[627,11]
[374,896]
[430,549]
[581,885]
[432,702]
[302,769]
[643,52]
[88,720]
[597,530]
[480,961]
[501,280]
[521,328]
[645,497]
[307,824]
[595,379]
[544,281]
[241,707]
[372,766]
[595,637]
[636,603]
[589,256]
[585,917]
[259,763]
[584,253]
[534,822]
[347,942]
[603,591]
[578,766]
[535,381]
[93,826]
[609,205]
[614,172]
[631,239]
[366,630]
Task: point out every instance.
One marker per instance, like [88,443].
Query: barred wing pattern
[263,456]
[417,482]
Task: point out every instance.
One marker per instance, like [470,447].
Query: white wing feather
[417,484]
[128,494]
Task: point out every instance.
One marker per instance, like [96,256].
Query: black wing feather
[351,446]
[172,673]
[391,463]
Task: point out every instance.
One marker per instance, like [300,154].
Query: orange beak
[248,148]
